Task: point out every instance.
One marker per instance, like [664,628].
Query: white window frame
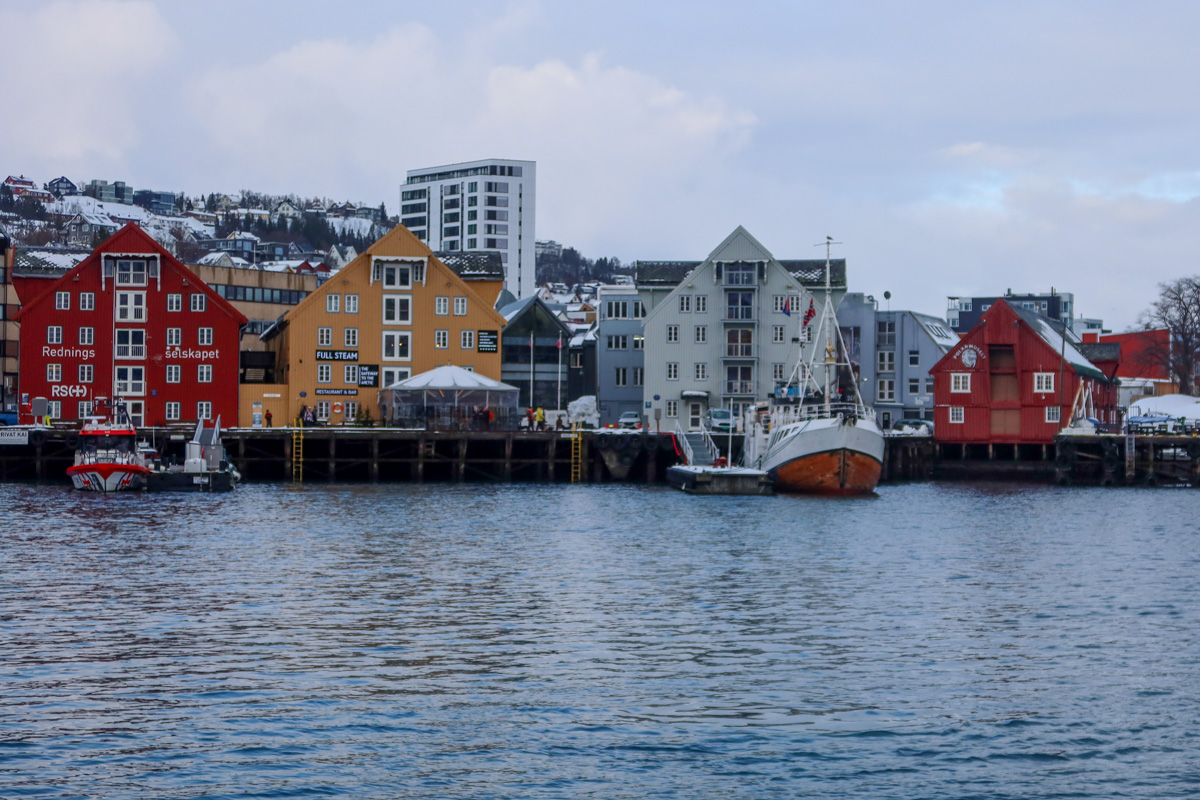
[174,373]
[672,370]
[672,334]
[350,374]
[54,373]
[83,409]
[914,385]
[324,336]
[1054,414]
[324,373]
[204,373]
[397,336]
[392,375]
[54,409]
[960,382]
[885,361]
[1043,383]
[87,301]
[778,334]
[672,409]
[701,304]
[351,304]
[685,304]
[441,305]
[62,301]
[957,415]
[403,302]
[466,340]
[198,302]
[700,371]
[639,376]
[174,337]
[204,409]
[204,337]
[886,392]
[174,302]
[350,337]
[460,306]
[351,410]
[701,334]
[130,350]
[171,412]
[133,385]
[131,311]
[333,303]
[441,339]
[54,334]
[777,373]
[322,410]
[86,373]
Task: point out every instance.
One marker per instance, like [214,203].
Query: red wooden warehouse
[130,321]
[1013,378]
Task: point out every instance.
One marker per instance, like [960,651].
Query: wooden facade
[1014,379]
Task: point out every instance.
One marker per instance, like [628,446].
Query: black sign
[339,392]
[489,341]
[368,376]
[337,355]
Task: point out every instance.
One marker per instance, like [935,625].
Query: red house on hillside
[1014,379]
[129,321]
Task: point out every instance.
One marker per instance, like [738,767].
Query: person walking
[268,417]
[540,417]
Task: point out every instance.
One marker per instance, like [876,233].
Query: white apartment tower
[477,206]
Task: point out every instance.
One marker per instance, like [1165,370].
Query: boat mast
[826,315]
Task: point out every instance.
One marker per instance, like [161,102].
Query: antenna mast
[826,315]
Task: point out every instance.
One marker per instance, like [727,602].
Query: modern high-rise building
[477,206]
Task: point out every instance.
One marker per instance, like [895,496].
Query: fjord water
[532,641]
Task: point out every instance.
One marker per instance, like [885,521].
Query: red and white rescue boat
[107,457]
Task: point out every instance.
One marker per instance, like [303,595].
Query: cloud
[82,66]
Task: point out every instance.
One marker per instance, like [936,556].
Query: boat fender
[604,440]
[1109,460]
[666,443]
[37,438]
[622,441]
[626,459]
[649,443]
[1151,480]
[72,440]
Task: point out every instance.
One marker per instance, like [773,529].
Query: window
[87,301]
[777,334]
[929,385]
[198,302]
[639,342]
[777,373]
[672,333]
[441,306]
[672,409]
[701,304]
[886,361]
[672,371]
[466,340]
[172,411]
[577,360]
[86,373]
[174,337]
[460,306]
[685,304]
[914,358]
[62,301]
[351,304]
[964,305]
[131,306]
[131,343]
[204,410]
[396,346]
[131,273]
[739,305]
[324,337]
[397,309]
[1053,413]
[54,373]
[351,410]
[204,373]
[788,302]
[83,409]
[639,310]
[701,334]
[739,274]
[639,376]
[956,414]
[441,339]
[324,373]
[130,381]
[350,374]
[397,275]
[618,342]
[616,309]
[323,410]
[54,409]
[54,334]
[204,337]
[701,372]
[1043,382]
[914,385]
[621,378]
[887,391]
[960,382]
[391,376]
[174,373]
[333,303]
[174,302]
[885,332]
[350,337]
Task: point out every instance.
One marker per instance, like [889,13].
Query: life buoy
[337,408]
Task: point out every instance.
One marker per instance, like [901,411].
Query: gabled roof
[132,239]
[1052,333]
[937,330]
[514,311]
[809,272]
[48,260]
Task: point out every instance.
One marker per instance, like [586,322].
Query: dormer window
[131,272]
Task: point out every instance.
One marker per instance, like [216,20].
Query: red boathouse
[131,322]
[1015,379]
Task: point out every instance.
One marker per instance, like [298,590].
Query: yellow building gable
[393,312]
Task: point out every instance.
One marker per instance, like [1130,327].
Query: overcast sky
[955,148]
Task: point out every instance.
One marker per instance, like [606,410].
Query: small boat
[204,469]
[107,457]
[808,442]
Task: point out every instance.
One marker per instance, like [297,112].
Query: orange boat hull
[843,472]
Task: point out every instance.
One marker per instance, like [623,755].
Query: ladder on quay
[298,451]
[576,454]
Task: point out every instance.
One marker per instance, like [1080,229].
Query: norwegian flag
[808,315]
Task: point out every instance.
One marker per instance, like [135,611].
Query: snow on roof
[938,330]
[1050,332]
[451,378]
[49,259]
[1170,405]
[212,258]
[99,220]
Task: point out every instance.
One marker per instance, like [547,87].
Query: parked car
[720,419]
[630,420]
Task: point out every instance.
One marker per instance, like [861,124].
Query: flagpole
[559,400]
[531,405]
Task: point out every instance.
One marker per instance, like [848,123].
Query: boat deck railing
[87,457]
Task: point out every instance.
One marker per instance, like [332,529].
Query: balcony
[131,351]
[739,387]
[739,314]
[739,351]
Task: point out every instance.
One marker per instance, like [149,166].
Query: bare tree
[1178,310]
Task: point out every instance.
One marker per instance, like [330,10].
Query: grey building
[907,344]
[162,203]
[105,192]
[724,332]
[620,362]
[963,313]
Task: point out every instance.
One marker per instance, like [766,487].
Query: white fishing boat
[818,438]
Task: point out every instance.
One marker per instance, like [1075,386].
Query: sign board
[489,341]
[256,415]
[14,436]
[368,376]
[338,392]
[647,404]
[337,355]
